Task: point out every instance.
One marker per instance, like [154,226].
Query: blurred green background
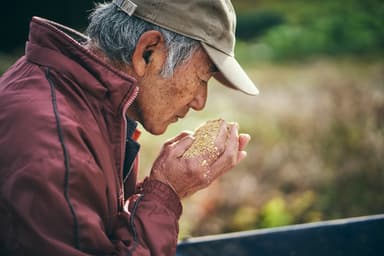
[317,149]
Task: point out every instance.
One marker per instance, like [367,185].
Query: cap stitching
[210,30]
[156,6]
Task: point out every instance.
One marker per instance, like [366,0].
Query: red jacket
[62,152]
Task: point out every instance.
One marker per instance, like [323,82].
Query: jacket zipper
[120,184]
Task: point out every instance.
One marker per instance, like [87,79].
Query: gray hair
[117,33]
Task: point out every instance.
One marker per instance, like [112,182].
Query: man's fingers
[179,147]
[233,138]
[221,137]
[229,158]
[243,141]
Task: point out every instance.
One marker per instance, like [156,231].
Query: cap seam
[156,6]
[212,10]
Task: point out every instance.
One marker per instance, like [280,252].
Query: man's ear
[149,48]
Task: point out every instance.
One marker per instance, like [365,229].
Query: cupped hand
[187,175]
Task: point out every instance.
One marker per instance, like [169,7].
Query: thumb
[182,145]
[178,137]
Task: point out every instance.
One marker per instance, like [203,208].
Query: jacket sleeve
[35,219]
[149,226]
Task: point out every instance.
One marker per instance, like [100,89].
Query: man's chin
[156,130]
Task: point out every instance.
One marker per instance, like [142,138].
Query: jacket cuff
[162,192]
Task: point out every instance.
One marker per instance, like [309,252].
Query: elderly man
[68,113]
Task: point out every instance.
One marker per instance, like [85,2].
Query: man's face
[162,101]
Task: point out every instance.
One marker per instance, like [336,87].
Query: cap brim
[230,72]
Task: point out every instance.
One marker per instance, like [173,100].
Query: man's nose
[198,102]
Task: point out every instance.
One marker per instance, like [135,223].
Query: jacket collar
[60,48]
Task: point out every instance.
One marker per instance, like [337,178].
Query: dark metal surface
[353,236]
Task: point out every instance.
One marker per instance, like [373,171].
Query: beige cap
[212,22]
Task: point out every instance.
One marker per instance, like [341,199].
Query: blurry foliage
[330,28]
[256,23]
[274,213]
